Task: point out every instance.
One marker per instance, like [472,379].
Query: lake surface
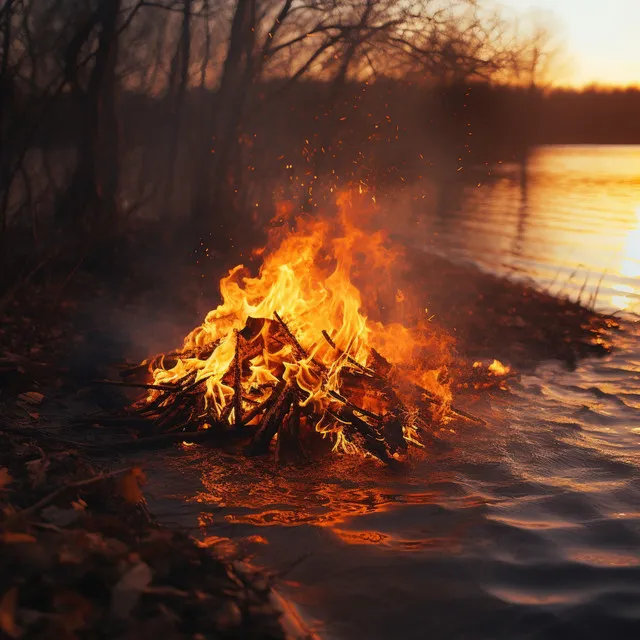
[528,528]
[573,225]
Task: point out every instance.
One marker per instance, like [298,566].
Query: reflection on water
[572,223]
[528,528]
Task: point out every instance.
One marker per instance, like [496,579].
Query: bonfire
[291,355]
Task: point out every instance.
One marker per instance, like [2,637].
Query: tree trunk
[6,92]
[94,185]
[214,192]
[177,92]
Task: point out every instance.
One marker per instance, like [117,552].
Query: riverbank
[80,554]
[81,557]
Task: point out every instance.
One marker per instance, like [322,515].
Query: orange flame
[307,278]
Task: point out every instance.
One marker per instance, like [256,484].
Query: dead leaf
[72,555]
[75,609]
[79,505]
[37,470]
[60,517]
[8,606]
[5,478]
[32,397]
[130,485]
[127,591]
[9,537]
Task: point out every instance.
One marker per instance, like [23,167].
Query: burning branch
[249,372]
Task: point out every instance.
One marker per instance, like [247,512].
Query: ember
[291,353]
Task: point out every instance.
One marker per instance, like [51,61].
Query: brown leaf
[130,486]
[32,397]
[9,537]
[127,591]
[5,478]
[60,517]
[37,471]
[75,609]
[8,606]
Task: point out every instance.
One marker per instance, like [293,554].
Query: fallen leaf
[9,537]
[8,606]
[5,478]
[32,397]
[130,485]
[127,591]
[60,517]
[79,505]
[74,608]
[37,470]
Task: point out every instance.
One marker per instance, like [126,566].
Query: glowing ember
[292,351]
[498,369]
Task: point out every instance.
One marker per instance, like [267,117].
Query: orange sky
[601,38]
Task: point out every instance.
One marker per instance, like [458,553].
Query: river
[527,528]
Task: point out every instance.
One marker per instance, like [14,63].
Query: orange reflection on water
[349,499]
[629,268]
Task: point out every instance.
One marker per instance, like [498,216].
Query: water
[575,219]
[528,528]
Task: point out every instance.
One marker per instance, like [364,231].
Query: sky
[601,38]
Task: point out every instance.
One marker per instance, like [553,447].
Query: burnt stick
[237,381]
[349,359]
[272,419]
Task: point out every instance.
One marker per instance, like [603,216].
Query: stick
[349,359]
[258,409]
[348,403]
[370,441]
[289,436]
[237,382]
[327,337]
[58,492]
[272,419]
[137,385]
[213,433]
[301,352]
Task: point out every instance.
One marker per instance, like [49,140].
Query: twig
[60,491]
[284,397]
[348,403]
[237,381]
[203,435]
[348,358]
[258,409]
[136,385]
[301,352]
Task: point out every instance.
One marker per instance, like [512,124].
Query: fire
[300,329]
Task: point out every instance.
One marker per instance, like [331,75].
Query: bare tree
[94,184]
[177,90]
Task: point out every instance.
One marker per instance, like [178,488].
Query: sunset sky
[600,37]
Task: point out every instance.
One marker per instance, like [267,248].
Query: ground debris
[80,558]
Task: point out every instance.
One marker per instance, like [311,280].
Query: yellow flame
[307,277]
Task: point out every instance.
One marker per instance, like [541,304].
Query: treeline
[210,110]
[590,116]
